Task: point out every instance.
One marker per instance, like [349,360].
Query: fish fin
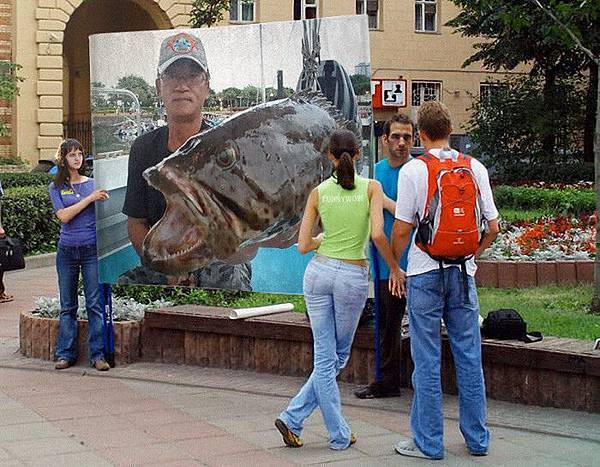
[268,236]
[307,96]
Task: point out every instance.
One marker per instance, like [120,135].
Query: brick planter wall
[555,372]
[37,338]
[509,274]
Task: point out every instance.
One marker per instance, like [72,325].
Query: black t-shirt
[141,200]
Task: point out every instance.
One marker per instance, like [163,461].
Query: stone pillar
[52,17]
[6,38]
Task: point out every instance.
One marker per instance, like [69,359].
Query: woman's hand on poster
[397,282]
[98,195]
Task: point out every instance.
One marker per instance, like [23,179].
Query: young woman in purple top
[73,196]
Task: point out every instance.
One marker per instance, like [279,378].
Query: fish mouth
[197,228]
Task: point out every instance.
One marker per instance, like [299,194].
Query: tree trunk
[549,132]
[596,299]
[590,114]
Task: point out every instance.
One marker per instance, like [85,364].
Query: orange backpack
[451,227]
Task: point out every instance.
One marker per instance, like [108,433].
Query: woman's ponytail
[344,146]
[345,171]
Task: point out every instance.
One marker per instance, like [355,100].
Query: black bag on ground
[11,254]
[508,324]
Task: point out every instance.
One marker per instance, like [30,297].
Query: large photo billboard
[216,201]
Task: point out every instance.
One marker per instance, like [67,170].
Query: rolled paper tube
[241,313]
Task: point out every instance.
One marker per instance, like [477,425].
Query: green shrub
[28,215]
[13,180]
[13,160]
[567,201]
[572,171]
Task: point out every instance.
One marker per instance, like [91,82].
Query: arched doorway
[92,17]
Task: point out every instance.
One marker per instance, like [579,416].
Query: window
[426,15]
[370,8]
[241,10]
[423,91]
[489,90]
[305,9]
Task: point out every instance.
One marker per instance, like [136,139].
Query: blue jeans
[430,298]
[335,293]
[70,260]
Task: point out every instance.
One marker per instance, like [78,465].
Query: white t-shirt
[412,196]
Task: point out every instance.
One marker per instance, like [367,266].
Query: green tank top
[345,218]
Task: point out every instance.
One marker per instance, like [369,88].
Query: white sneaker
[408,448]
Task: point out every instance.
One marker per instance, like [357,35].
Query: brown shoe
[289,437]
[353,439]
[62,364]
[101,365]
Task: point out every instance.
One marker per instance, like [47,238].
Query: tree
[518,32]
[207,12]
[361,84]
[251,95]
[9,87]
[229,96]
[138,85]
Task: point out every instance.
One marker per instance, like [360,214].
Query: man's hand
[397,282]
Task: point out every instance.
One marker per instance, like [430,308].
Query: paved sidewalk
[155,414]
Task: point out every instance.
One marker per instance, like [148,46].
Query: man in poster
[183,86]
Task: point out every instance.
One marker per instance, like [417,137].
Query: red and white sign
[393,93]
[388,93]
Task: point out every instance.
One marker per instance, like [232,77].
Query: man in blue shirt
[397,136]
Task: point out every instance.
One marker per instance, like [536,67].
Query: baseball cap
[181,45]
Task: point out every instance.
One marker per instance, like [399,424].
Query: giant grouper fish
[242,184]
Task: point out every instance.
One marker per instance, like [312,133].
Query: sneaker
[478,454]
[289,437]
[408,448]
[101,365]
[374,391]
[62,364]
[353,439]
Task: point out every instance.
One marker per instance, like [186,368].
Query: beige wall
[57,84]
[26,128]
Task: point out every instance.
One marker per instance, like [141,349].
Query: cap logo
[182,44]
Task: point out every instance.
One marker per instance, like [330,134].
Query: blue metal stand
[107,325]
[375,270]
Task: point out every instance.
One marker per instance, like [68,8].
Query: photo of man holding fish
[182,85]
[215,197]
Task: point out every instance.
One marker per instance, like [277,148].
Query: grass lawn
[560,311]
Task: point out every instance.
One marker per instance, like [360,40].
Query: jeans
[430,298]
[391,312]
[70,260]
[335,294]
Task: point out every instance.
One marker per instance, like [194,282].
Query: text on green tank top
[345,218]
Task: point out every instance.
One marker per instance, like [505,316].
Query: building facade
[48,38]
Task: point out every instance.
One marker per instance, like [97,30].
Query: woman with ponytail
[336,284]
[73,197]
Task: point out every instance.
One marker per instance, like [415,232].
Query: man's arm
[400,237]
[489,236]
[389,205]
[137,229]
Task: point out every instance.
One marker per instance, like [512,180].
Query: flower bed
[38,330]
[555,238]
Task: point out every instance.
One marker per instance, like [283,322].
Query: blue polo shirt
[81,230]
[388,177]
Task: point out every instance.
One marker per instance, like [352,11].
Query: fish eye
[226,159]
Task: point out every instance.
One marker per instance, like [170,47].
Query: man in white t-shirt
[437,291]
